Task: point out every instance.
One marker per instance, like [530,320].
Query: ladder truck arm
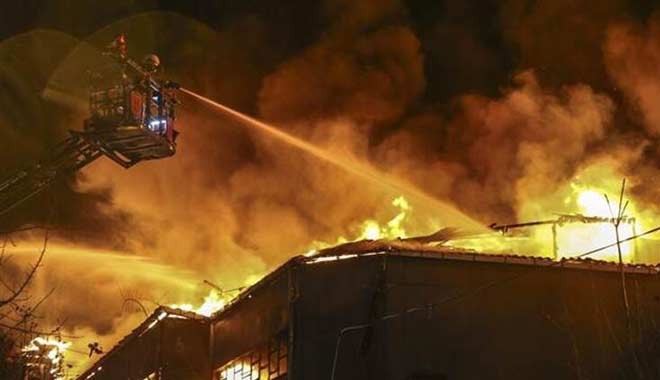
[65,159]
[131,120]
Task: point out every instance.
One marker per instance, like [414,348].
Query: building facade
[396,311]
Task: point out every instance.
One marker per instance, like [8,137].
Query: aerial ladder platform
[132,120]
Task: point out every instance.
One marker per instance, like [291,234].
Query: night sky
[467,45]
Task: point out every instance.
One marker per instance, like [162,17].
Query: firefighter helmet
[151,63]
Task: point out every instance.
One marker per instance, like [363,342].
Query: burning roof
[416,247]
[412,248]
[160,314]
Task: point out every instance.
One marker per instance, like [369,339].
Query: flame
[589,204]
[371,229]
[216,300]
[592,194]
[48,348]
[239,371]
[393,229]
[592,201]
[213,303]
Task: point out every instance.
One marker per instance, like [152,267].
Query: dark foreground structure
[169,344]
[392,310]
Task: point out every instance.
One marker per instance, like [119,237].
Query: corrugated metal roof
[413,248]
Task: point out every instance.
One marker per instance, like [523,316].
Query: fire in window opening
[269,362]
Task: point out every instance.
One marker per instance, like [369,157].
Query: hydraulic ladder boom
[66,158]
[131,120]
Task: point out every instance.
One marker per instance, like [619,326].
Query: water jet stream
[448,213]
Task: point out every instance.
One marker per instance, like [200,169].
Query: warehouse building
[401,310]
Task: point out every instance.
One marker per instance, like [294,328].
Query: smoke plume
[500,109]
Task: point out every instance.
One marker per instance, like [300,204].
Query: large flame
[216,299]
[372,229]
[601,202]
[582,212]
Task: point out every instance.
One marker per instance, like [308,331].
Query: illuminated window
[265,363]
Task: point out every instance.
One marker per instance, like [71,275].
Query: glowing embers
[265,363]
[352,165]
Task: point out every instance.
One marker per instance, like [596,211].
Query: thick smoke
[368,84]
[632,53]
[498,154]
[227,221]
[30,125]
[364,68]
[562,39]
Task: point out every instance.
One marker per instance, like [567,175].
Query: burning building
[405,310]
[485,115]
[169,344]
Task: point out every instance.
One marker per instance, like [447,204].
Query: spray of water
[444,211]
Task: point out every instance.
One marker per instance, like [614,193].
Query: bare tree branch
[29,227]
[41,333]
[29,311]
[8,316]
[29,276]
[7,286]
[4,247]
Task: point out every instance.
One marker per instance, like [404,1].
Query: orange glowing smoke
[360,169]
[370,229]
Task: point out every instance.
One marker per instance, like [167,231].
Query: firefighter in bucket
[132,117]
